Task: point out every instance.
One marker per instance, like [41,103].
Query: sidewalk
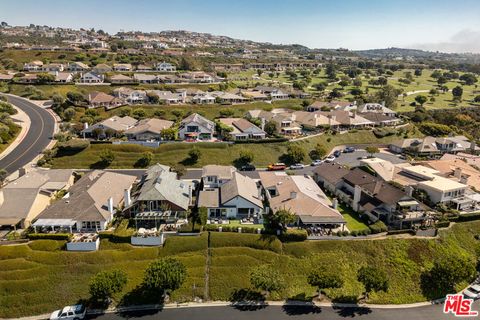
[148,307]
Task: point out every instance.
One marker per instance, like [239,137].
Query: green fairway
[39,277]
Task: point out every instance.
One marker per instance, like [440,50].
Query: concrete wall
[83,246]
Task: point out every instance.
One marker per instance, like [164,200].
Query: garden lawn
[39,277]
[353,221]
[176,154]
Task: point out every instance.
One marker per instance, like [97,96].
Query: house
[376,108]
[89,205]
[302,196]
[167,97]
[53,67]
[77,66]
[242,129]
[102,68]
[100,99]
[197,77]
[146,78]
[91,77]
[115,124]
[285,121]
[33,66]
[161,194]
[227,97]
[214,176]
[22,200]
[433,146]
[203,98]
[272,92]
[130,95]
[471,159]
[165,67]
[148,129]
[196,127]
[238,198]
[6,77]
[254,95]
[331,105]
[315,120]
[120,79]
[349,119]
[458,170]
[446,191]
[62,77]
[122,67]
[380,119]
[168,79]
[143,68]
[329,176]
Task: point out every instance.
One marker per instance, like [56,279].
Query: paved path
[37,139]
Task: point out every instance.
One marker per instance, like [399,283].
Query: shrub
[442,224]
[47,245]
[105,283]
[73,145]
[345,233]
[293,235]
[189,228]
[50,236]
[401,231]
[469,217]
[354,233]
[378,227]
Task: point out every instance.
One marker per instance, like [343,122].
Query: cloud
[465,40]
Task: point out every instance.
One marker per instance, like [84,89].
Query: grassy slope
[211,153]
[28,272]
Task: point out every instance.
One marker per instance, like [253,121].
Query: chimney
[464,179]
[110,205]
[293,195]
[126,197]
[263,124]
[357,193]
[409,190]
[85,125]
[335,203]
[458,173]
[472,147]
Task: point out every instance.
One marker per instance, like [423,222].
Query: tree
[58,99]
[187,64]
[3,176]
[388,94]
[267,279]
[110,133]
[168,134]
[107,156]
[139,113]
[421,99]
[69,114]
[457,93]
[468,78]
[324,280]
[318,152]
[202,216]
[44,78]
[279,220]
[97,133]
[476,99]
[373,279]
[331,72]
[448,271]
[418,72]
[295,153]
[270,127]
[106,283]
[194,154]
[145,159]
[372,149]
[246,156]
[320,87]
[166,274]
[75,97]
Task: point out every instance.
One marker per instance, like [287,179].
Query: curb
[158,307]
[25,126]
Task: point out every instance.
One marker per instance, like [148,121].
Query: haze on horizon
[434,25]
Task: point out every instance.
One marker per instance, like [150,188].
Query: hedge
[116,238]
[228,228]
[189,228]
[401,231]
[293,235]
[378,227]
[469,217]
[442,224]
[268,140]
[49,236]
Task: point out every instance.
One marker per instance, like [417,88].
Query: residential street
[433,312]
[36,139]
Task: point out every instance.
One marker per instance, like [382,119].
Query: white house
[165,67]
[196,127]
[91,77]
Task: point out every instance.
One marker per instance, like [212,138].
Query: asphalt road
[433,312]
[36,139]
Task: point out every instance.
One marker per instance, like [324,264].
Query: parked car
[316,163]
[337,153]
[472,292]
[248,167]
[349,150]
[276,166]
[76,312]
[330,159]
[297,166]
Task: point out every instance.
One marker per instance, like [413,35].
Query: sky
[443,25]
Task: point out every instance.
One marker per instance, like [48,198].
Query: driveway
[353,159]
[37,138]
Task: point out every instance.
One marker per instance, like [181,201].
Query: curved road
[37,138]
[433,312]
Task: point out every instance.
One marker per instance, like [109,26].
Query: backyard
[39,277]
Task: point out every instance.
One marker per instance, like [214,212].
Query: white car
[76,312]
[330,159]
[472,292]
[316,163]
[297,166]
